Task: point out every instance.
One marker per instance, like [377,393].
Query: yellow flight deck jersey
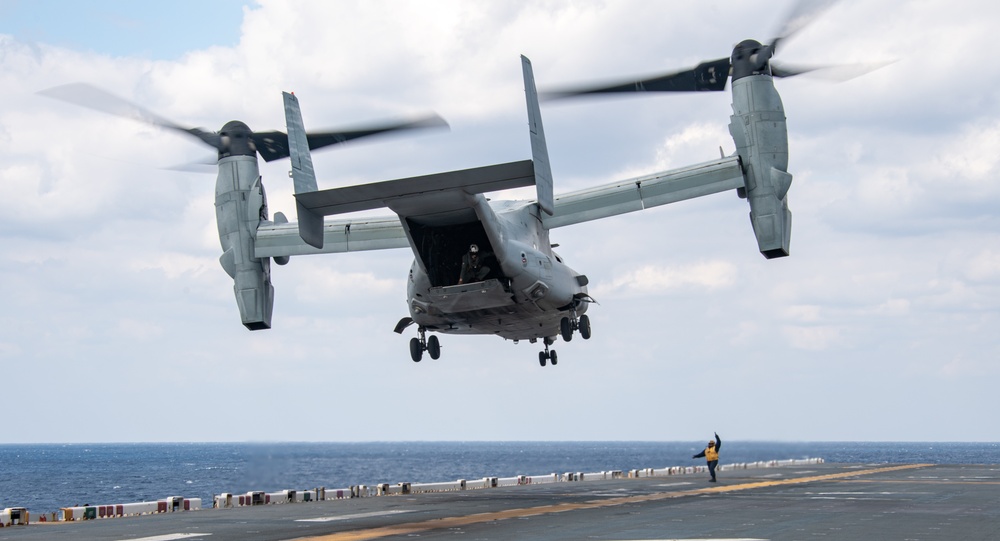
[711,453]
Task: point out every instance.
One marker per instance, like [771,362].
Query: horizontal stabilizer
[490,178]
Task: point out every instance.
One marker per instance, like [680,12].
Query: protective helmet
[473,249]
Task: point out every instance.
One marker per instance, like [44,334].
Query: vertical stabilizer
[539,152]
[303,174]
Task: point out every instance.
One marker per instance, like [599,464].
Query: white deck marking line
[356,515]
[170,537]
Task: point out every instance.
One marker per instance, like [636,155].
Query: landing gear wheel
[416,349]
[566,329]
[585,327]
[434,347]
[547,355]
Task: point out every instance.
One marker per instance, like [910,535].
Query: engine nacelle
[240,206]
[759,131]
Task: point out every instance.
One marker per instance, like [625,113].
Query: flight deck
[810,501]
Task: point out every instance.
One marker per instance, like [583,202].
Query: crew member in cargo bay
[711,454]
[473,267]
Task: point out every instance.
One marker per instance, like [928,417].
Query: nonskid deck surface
[835,501]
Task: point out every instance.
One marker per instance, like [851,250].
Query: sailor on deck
[711,454]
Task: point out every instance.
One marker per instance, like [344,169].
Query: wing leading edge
[645,192]
[375,233]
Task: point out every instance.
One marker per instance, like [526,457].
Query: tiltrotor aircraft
[516,287]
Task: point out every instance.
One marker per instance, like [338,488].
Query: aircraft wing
[644,192]
[386,232]
[351,235]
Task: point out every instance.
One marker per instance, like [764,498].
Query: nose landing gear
[547,355]
[419,345]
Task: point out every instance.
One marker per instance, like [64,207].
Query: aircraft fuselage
[527,290]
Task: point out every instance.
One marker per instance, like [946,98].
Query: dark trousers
[711,467]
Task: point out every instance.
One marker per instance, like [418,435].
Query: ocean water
[44,478]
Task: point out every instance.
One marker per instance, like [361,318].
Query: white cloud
[971,159]
[658,280]
[893,307]
[961,366]
[803,313]
[329,286]
[894,265]
[984,266]
[697,142]
[813,338]
[176,265]
[138,330]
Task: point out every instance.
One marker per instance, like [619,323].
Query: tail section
[303,174]
[539,151]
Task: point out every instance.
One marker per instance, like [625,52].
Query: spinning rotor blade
[206,165]
[838,73]
[95,98]
[803,13]
[749,57]
[707,76]
[779,70]
[273,145]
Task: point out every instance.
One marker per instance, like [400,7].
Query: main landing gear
[569,324]
[429,344]
[547,355]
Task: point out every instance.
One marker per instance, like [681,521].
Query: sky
[119,324]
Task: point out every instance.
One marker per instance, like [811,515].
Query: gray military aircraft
[488,267]
[482,266]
